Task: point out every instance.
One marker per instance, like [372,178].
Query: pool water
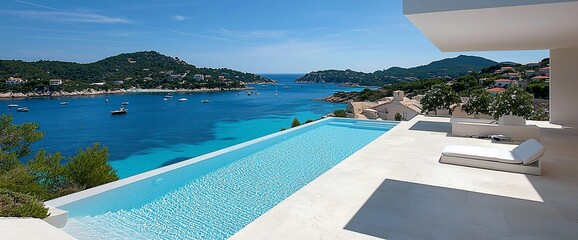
[215,198]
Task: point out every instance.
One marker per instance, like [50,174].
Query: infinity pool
[215,195]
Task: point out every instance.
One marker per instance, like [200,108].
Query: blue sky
[249,35]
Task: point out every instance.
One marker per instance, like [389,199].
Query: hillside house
[12,81]
[505,83]
[496,90]
[55,82]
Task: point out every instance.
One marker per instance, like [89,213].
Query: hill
[147,69]
[449,67]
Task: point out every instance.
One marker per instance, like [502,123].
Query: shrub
[89,168]
[339,113]
[295,122]
[397,116]
[15,204]
[478,103]
[513,101]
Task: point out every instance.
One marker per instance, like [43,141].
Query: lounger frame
[532,169]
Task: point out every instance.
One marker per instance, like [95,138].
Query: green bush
[339,113]
[295,122]
[15,204]
[23,186]
[397,116]
[513,101]
[89,168]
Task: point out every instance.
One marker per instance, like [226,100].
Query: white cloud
[71,17]
[179,18]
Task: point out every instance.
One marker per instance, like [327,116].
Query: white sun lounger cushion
[481,153]
[529,151]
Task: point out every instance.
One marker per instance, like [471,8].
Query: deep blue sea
[157,132]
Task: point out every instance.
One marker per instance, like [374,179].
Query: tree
[514,101]
[16,139]
[440,96]
[295,122]
[23,187]
[89,168]
[478,103]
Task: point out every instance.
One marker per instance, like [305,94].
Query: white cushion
[481,153]
[529,151]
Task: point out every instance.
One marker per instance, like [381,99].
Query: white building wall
[388,111]
[563,86]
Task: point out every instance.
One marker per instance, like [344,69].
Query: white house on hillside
[386,109]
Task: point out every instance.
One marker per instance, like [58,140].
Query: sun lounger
[525,158]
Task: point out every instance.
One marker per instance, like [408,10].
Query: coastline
[92,92]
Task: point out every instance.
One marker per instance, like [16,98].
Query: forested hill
[147,69]
[449,67]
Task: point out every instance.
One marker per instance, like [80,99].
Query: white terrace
[395,188]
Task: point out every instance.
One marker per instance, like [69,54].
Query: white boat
[119,111]
[168,96]
[22,109]
[64,103]
[124,103]
[165,99]
[183,99]
[205,101]
[12,105]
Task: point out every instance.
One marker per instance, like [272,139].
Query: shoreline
[92,92]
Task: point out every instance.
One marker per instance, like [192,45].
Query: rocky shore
[91,92]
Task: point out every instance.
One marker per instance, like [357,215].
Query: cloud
[69,17]
[179,18]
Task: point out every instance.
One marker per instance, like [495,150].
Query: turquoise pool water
[216,197]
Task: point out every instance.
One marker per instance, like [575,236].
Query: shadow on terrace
[406,210]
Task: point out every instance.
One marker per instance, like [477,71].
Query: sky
[258,36]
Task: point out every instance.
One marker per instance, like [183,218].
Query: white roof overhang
[490,25]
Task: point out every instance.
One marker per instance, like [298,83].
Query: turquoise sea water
[215,198]
[157,133]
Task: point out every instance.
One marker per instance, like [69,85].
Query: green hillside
[148,69]
[449,67]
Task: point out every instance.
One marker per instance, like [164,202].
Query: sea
[159,131]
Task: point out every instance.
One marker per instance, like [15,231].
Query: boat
[119,111]
[249,93]
[165,99]
[183,99]
[168,96]
[124,103]
[12,105]
[205,101]
[64,103]
[105,100]
[22,109]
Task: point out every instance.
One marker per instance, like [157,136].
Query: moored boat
[124,103]
[183,99]
[119,111]
[22,109]
[12,105]
[205,101]
[64,103]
